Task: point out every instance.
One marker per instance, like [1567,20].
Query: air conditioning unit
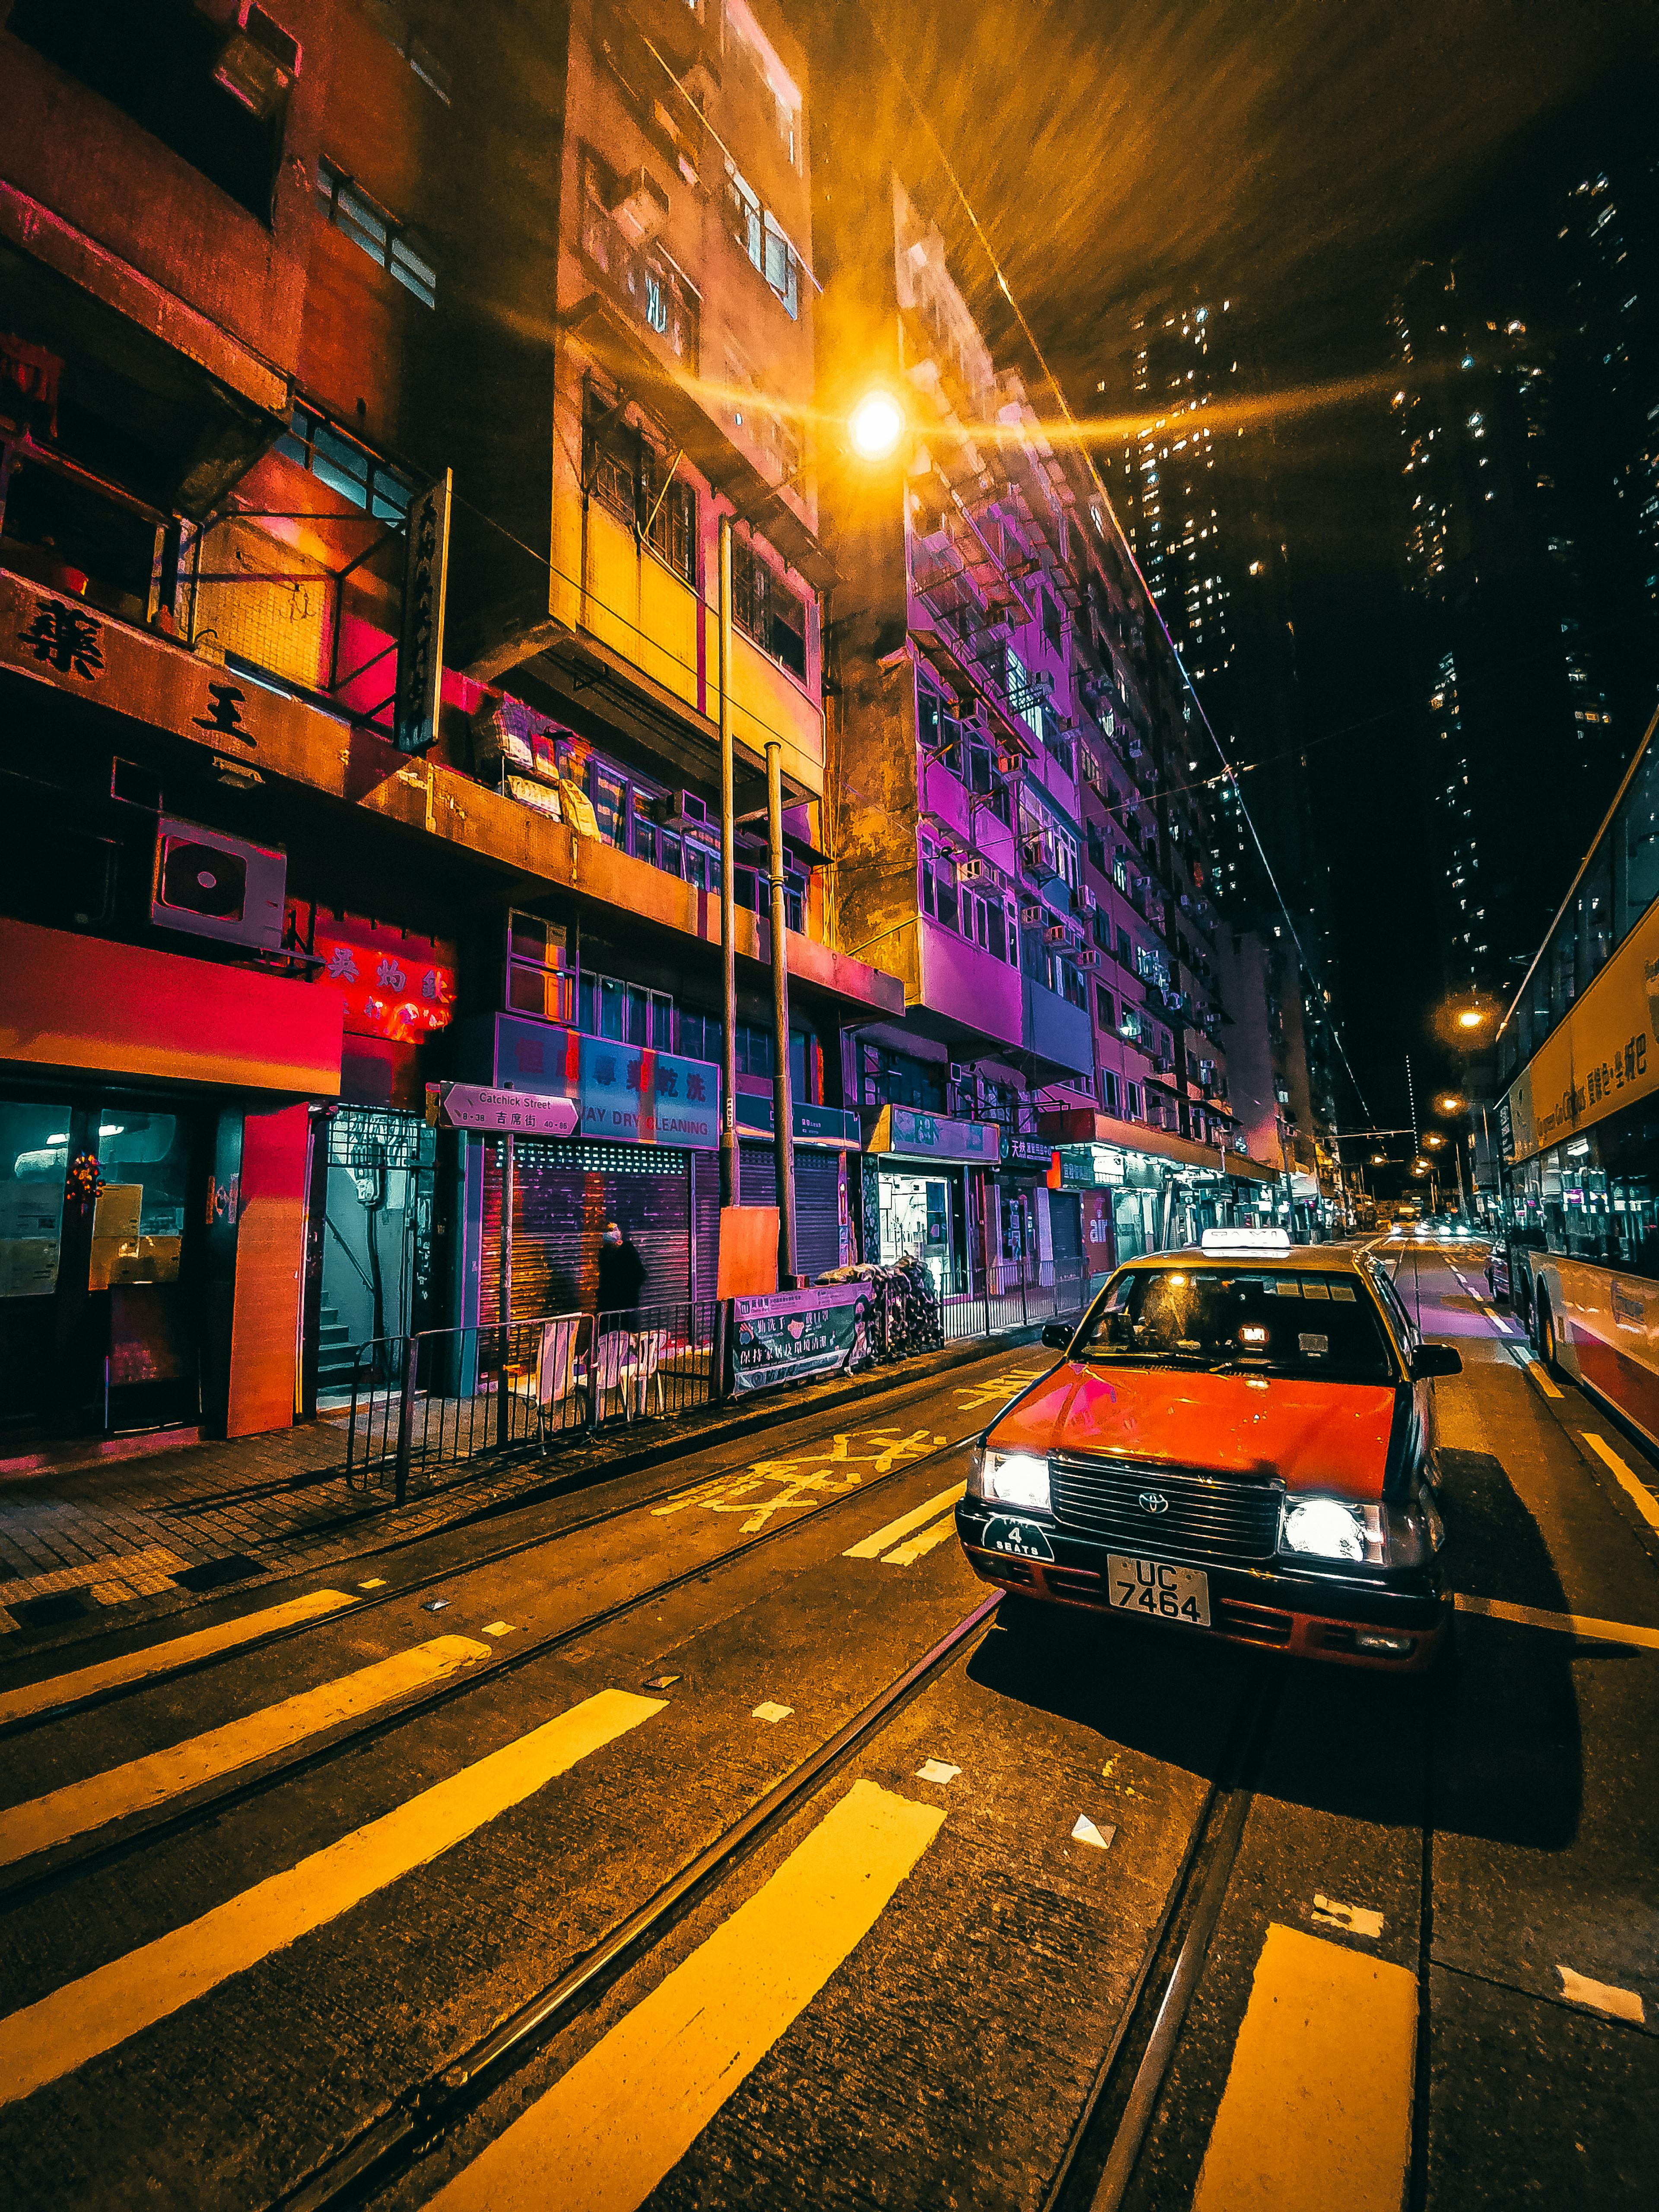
[1056,933]
[683,810]
[1033,915]
[641,208]
[955,1071]
[972,870]
[258,62]
[1009,764]
[212,885]
[1083,900]
[1087,957]
[1137,751]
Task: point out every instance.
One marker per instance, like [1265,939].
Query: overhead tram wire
[1073,424]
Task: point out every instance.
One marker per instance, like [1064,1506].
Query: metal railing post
[406,1415]
[1025,1303]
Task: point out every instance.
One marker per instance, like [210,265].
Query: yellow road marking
[1543,1380]
[166,1658]
[1568,1624]
[919,1547]
[1317,2108]
[1633,1487]
[86,2018]
[873,1546]
[623,2115]
[142,1783]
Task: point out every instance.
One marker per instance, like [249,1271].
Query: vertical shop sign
[421,645]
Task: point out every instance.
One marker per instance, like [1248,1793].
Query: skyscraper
[1519,743]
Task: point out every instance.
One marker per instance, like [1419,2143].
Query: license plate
[1159,1592]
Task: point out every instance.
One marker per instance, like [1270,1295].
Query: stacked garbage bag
[904,1310]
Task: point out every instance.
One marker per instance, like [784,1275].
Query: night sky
[1298,158]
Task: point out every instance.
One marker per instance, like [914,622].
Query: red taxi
[1240,1441]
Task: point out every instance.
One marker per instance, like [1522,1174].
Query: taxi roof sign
[1246,1240]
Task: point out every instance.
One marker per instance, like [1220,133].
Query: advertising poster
[794,1333]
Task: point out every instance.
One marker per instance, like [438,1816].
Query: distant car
[1240,1442]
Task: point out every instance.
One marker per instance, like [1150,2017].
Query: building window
[624,471]
[336,459]
[761,239]
[1052,620]
[766,609]
[1131,1101]
[1103,1009]
[627,1011]
[540,974]
[1108,1090]
[379,235]
[640,277]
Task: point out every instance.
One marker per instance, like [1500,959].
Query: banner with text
[794,1333]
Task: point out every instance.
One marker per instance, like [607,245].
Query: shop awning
[1083,1128]
[84,1002]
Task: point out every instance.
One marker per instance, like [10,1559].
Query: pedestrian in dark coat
[621,1272]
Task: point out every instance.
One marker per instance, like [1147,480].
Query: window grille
[378,234]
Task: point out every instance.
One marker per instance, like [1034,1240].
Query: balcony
[641,279]
[1055,1031]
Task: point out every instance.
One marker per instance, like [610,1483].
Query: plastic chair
[556,1366]
[645,1368]
[611,1365]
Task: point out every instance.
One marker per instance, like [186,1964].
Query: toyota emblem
[1153,1501]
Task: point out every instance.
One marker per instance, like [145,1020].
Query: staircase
[335,1353]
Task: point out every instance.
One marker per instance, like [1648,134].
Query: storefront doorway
[377,1236]
[922,1217]
[99,1257]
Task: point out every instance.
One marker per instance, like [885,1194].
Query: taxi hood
[1313,1435]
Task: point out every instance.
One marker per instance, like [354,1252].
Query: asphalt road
[256,1905]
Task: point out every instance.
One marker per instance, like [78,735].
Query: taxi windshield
[1253,1321]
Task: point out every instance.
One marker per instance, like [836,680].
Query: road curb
[378,1521]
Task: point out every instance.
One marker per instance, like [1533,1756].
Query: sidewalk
[82,1550]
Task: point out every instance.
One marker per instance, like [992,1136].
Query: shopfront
[1162,1191]
[155,1138]
[923,1193]
[645,1155]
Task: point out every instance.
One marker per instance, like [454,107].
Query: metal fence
[425,1404]
[422,1404]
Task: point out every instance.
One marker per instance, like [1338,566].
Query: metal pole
[729,1180]
[783,1121]
[505,1294]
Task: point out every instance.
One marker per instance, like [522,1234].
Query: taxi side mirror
[1057,1334]
[1431,1360]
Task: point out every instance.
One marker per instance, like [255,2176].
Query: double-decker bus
[1578,1125]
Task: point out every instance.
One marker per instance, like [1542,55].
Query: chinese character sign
[420,646]
[400,996]
[639,1098]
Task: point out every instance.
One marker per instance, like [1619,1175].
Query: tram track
[29,1879]
[369,1601]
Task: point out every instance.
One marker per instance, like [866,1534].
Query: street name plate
[469,1106]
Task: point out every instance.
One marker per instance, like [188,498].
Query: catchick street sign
[521,1113]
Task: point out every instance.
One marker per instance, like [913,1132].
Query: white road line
[919,1547]
[1603,1996]
[896,1531]
[1635,1490]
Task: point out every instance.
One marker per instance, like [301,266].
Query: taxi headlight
[1010,1478]
[1363,1535]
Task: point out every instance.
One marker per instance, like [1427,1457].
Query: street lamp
[1453,1102]
[1470,1019]
[1434,1138]
[874,427]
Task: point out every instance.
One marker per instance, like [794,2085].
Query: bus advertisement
[1578,1125]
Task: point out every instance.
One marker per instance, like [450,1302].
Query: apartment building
[1014,833]
[372,385]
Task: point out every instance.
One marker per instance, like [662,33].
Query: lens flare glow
[876,425]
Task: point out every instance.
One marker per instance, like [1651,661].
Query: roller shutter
[564,1195]
[818,1201]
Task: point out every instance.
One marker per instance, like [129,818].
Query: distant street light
[876,425]
[1379,1159]
[1434,1138]
[1470,1019]
[1453,1102]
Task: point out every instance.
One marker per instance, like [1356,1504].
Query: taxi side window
[1394,1306]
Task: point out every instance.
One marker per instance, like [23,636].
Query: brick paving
[81,1548]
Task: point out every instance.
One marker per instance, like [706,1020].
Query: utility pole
[729,1176]
[783,1132]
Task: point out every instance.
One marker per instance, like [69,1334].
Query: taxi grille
[1204,1516]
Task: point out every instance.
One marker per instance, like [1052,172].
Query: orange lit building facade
[280,294]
